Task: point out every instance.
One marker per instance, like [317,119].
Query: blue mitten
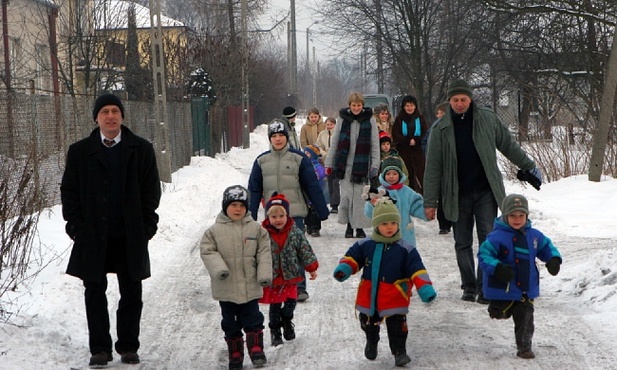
[427,293]
[342,272]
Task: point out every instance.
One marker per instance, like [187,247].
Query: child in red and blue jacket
[511,278]
[390,266]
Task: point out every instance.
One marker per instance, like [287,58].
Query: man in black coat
[110,191]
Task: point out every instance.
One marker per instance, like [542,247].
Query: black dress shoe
[349,231]
[360,233]
[469,297]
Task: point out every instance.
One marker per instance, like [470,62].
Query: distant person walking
[311,129]
[324,141]
[110,191]
[289,117]
[407,133]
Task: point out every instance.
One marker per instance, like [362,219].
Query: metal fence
[38,130]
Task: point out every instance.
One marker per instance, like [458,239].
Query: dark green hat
[459,87]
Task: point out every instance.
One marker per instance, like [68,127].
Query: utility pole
[294,53]
[160,95]
[308,68]
[246,142]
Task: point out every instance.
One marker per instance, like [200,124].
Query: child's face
[313,117]
[278,141]
[355,107]
[388,229]
[385,146]
[330,125]
[517,219]
[409,108]
[384,115]
[392,177]
[440,113]
[278,219]
[236,210]
[308,154]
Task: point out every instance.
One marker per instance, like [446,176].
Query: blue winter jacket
[408,202]
[499,248]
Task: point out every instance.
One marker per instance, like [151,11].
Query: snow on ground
[576,315]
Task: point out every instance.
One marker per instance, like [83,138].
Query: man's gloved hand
[328,171]
[533,177]
[373,172]
[553,265]
[504,272]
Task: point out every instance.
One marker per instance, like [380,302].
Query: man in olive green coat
[462,164]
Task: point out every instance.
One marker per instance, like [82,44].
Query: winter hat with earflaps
[385,211]
[514,202]
[393,162]
[313,151]
[235,193]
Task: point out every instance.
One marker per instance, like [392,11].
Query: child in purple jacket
[312,221]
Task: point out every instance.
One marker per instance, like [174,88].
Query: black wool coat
[85,194]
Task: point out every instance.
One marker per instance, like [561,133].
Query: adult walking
[289,118]
[354,159]
[110,191]
[407,133]
[462,166]
[287,171]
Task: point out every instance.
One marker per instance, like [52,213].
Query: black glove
[504,272]
[533,177]
[553,266]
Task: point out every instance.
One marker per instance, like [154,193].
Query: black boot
[360,233]
[288,329]
[349,231]
[255,345]
[236,352]
[372,338]
[397,336]
[275,334]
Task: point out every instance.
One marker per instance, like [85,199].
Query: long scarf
[418,128]
[359,170]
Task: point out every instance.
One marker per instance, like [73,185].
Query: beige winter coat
[309,132]
[323,142]
[240,250]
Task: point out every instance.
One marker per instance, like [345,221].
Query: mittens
[533,177]
[373,172]
[427,293]
[328,171]
[342,272]
[504,272]
[553,265]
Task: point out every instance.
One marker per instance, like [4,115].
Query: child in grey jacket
[236,252]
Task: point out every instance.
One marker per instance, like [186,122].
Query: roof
[113,14]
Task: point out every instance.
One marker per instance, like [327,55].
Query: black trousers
[236,317]
[522,314]
[128,315]
[396,326]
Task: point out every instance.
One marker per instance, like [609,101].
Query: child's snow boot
[236,352]
[275,334]
[288,329]
[255,345]
[401,359]
[397,336]
[372,338]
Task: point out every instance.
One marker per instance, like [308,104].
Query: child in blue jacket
[390,267]
[409,203]
[511,278]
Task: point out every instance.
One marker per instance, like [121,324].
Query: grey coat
[238,258]
[489,135]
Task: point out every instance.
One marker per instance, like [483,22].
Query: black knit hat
[235,193]
[106,99]
[459,87]
[277,126]
[289,112]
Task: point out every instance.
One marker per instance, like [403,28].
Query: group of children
[251,263]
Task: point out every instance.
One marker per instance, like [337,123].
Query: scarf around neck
[360,168]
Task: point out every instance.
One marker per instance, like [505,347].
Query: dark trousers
[334,190]
[279,312]
[444,224]
[522,314]
[479,207]
[237,317]
[312,221]
[396,326]
[128,315]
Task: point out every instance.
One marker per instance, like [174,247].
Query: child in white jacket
[233,249]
